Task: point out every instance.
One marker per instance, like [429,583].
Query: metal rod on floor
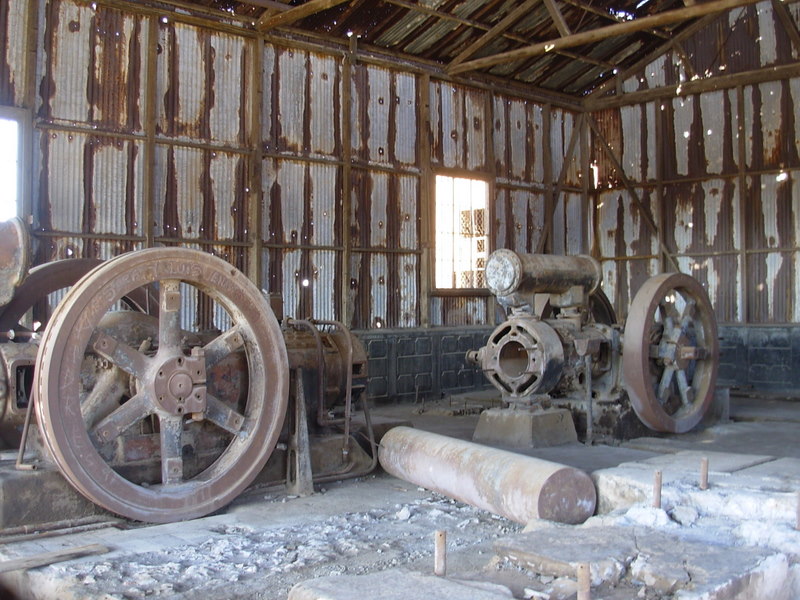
[704,473]
[657,490]
[440,553]
[584,582]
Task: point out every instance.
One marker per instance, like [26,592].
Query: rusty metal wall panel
[94,67]
[721,276]
[384,130]
[202,84]
[303,203]
[638,154]
[454,312]
[623,278]
[561,126]
[772,212]
[458,124]
[623,235]
[518,137]
[385,213]
[518,219]
[384,290]
[200,194]
[702,216]
[305,279]
[91,184]
[68,50]
[575,210]
[772,291]
[14,38]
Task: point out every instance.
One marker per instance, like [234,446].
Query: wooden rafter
[495,31]
[684,34]
[270,21]
[270,4]
[696,86]
[558,18]
[477,25]
[788,22]
[588,37]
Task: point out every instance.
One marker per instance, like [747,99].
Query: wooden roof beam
[788,23]
[646,60]
[499,29]
[558,18]
[295,14]
[589,37]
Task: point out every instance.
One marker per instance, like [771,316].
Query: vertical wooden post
[584,582]
[657,490]
[743,202]
[148,169]
[587,214]
[704,473]
[547,167]
[426,210]
[255,167]
[346,307]
[440,553]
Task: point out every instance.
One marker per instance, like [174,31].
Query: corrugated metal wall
[719,172]
[159,129]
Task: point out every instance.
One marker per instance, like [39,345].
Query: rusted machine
[157,416]
[561,345]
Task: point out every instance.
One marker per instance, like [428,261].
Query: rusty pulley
[116,386]
[671,353]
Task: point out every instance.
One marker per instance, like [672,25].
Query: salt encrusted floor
[267,542]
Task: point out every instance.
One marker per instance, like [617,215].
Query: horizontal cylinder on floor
[520,488]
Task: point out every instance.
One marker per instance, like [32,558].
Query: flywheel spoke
[169,318]
[222,415]
[123,356]
[133,411]
[686,391]
[664,383]
[687,316]
[104,397]
[171,450]
[223,345]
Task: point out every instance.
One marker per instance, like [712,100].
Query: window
[11,143]
[462,241]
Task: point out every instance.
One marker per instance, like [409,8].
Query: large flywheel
[158,418]
[671,353]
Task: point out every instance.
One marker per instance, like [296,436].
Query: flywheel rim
[66,339]
[650,370]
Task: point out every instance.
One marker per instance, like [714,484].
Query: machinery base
[38,497]
[516,428]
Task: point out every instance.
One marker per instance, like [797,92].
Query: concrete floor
[266,542]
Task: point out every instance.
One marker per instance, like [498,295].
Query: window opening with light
[462,240]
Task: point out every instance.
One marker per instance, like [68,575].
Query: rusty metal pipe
[517,487]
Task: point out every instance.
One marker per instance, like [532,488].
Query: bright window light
[9,168]
[462,240]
